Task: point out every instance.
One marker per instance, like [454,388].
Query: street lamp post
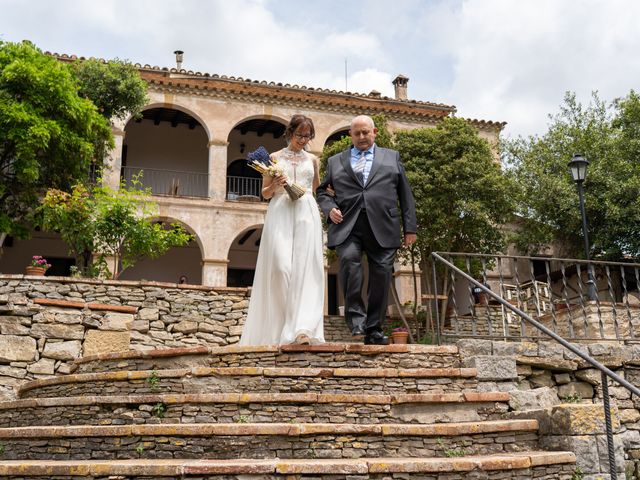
[578,167]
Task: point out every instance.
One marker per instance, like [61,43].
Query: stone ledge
[126,375]
[404,372]
[249,349]
[487,396]
[48,302]
[243,398]
[144,354]
[133,283]
[556,364]
[178,468]
[268,429]
[461,428]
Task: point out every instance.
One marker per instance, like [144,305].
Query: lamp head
[578,167]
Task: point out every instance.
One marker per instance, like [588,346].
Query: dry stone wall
[564,393]
[46,324]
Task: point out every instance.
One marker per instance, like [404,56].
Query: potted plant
[400,335]
[38,266]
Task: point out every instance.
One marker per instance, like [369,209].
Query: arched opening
[177,262]
[169,148]
[334,137]
[244,183]
[243,255]
[16,254]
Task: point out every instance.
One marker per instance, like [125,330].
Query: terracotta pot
[400,337]
[37,271]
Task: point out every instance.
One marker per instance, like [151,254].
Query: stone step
[328,355]
[515,466]
[269,440]
[255,407]
[336,331]
[254,379]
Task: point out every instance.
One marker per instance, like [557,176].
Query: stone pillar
[214,272]
[403,276]
[112,264]
[113,161]
[218,171]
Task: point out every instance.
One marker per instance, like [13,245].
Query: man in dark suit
[365,196]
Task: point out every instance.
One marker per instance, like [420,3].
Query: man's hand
[335,215]
[409,238]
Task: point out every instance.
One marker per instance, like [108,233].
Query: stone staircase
[332,411]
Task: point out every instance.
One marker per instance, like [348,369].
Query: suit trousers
[380,261]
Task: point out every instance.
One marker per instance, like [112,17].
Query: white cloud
[503,60]
[513,61]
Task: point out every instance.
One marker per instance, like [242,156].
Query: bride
[287,298]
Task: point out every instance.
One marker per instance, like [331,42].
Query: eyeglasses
[302,137]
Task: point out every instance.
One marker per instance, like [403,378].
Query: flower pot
[400,337]
[36,271]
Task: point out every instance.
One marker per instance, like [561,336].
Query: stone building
[191,144]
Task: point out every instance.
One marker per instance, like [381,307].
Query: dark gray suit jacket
[386,197]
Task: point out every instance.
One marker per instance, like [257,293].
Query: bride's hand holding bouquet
[260,161]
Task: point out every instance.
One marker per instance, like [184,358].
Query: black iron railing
[244,189]
[554,291]
[168,182]
[478,270]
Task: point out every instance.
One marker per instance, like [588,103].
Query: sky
[500,60]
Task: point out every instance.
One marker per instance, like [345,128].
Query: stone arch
[247,135]
[336,135]
[242,255]
[176,262]
[173,106]
[258,116]
[170,147]
[17,253]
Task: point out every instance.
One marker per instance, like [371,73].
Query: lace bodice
[298,166]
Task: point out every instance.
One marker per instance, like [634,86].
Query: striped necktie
[359,166]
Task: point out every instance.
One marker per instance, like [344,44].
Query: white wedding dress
[287,298]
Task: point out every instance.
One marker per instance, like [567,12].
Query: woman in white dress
[287,298]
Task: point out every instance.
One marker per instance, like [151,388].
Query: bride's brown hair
[296,121]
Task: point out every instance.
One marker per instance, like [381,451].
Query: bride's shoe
[303,339]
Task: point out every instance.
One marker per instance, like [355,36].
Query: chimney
[178,54]
[400,84]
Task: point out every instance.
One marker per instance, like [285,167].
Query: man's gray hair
[363,118]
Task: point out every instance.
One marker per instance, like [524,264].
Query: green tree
[71,216]
[104,223]
[462,196]
[48,134]
[547,200]
[114,86]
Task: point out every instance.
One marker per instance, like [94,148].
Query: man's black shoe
[376,338]
[358,331]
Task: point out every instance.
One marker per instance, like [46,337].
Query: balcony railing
[244,189]
[169,182]
[553,291]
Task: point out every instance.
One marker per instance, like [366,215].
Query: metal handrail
[604,371]
[521,257]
